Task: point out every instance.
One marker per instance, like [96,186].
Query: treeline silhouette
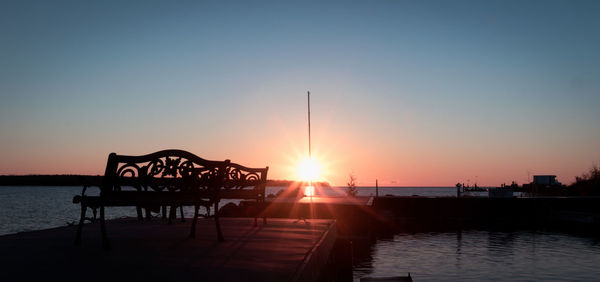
[95,180]
[588,184]
[50,180]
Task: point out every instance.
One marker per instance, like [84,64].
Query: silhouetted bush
[351,190]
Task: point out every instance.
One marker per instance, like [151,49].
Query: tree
[588,184]
[593,175]
[351,190]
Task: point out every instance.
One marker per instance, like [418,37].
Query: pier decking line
[282,250]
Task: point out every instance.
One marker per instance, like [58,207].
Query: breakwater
[369,216]
[407,213]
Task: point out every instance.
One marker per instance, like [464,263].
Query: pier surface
[281,250]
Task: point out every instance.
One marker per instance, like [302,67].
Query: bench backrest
[180,171]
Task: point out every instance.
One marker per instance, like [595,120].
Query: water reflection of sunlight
[309,191]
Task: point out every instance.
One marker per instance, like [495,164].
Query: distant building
[545,180]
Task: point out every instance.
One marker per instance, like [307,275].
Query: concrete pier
[281,250]
[353,215]
[432,213]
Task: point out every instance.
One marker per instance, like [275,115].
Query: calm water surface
[468,255]
[25,208]
[484,255]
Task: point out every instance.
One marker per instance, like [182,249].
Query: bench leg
[148,213]
[80,226]
[172,213]
[256,220]
[181,212]
[193,231]
[219,233]
[94,213]
[164,212]
[105,243]
[139,212]
[262,208]
[259,208]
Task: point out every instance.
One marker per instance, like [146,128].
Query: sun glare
[309,170]
[309,191]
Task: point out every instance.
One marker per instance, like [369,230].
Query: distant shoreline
[50,180]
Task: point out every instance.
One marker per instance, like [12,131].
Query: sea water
[477,255]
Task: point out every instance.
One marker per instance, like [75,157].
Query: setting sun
[309,169]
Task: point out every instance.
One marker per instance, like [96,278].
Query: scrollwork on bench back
[178,170]
[239,177]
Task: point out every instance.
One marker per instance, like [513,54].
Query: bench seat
[135,198]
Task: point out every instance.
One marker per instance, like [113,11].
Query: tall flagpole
[310,184]
[309,153]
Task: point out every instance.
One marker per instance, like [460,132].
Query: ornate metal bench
[172,178]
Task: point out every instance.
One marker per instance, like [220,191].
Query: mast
[309,153]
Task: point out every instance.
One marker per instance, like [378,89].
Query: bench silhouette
[173,178]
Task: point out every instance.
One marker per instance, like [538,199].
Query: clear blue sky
[408,92]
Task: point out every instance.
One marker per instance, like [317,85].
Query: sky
[412,93]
